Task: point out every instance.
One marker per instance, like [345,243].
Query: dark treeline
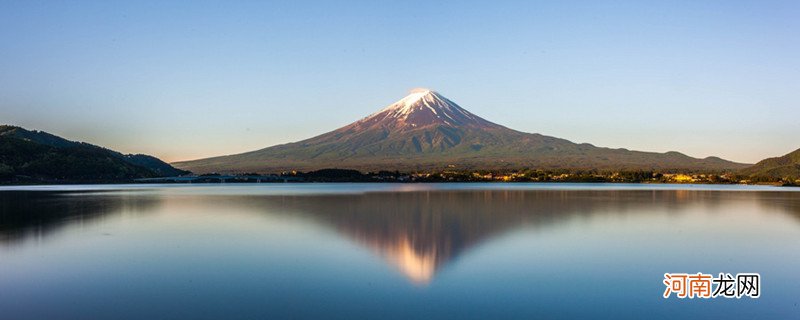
[534,175]
[77,175]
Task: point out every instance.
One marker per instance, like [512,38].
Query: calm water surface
[391,250]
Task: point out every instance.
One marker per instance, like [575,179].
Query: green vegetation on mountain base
[785,169]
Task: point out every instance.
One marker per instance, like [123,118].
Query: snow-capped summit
[424,107]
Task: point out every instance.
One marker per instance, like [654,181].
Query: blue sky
[183,80]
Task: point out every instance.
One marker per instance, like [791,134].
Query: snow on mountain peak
[423,107]
[413,97]
[417,99]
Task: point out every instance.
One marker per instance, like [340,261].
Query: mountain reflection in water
[418,232]
[32,214]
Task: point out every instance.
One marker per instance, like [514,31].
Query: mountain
[40,156]
[425,131]
[785,167]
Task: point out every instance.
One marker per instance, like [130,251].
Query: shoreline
[112,183]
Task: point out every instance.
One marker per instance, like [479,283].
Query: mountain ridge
[426,131]
[784,167]
[39,155]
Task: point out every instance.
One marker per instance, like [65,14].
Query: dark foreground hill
[36,156]
[426,131]
[786,167]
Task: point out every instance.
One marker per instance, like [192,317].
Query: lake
[316,250]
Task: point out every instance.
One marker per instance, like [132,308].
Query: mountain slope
[43,156]
[426,131]
[779,167]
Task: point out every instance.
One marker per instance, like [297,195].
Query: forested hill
[37,156]
[786,167]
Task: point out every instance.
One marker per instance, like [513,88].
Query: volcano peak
[425,130]
[424,107]
[414,96]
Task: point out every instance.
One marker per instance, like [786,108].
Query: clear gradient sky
[184,80]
